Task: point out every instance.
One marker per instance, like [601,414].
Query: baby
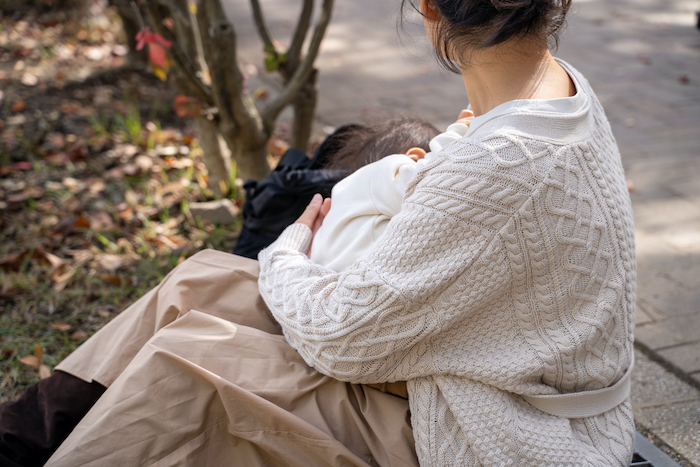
[365,201]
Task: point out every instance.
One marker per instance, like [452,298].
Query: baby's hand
[465,116]
[416,154]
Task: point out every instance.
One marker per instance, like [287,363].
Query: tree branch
[302,73]
[180,59]
[294,52]
[261,24]
[236,111]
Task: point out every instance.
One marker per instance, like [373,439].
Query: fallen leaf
[44,371]
[30,360]
[65,327]
[29,79]
[683,79]
[77,335]
[12,263]
[17,197]
[109,262]
[81,256]
[74,185]
[130,169]
[120,50]
[64,227]
[54,260]
[114,174]
[12,292]
[55,140]
[101,221]
[127,215]
[94,53]
[111,279]
[71,107]
[81,222]
[59,159]
[96,185]
[104,313]
[18,106]
[186,106]
[23,165]
[38,352]
[144,163]
[61,276]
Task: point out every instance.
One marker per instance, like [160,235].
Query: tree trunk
[251,159]
[217,156]
[304,110]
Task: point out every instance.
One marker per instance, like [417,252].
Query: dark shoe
[33,426]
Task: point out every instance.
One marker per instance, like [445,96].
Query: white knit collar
[552,107]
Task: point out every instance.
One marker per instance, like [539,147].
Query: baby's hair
[363,145]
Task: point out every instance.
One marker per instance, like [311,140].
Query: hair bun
[509,5]
[469,24]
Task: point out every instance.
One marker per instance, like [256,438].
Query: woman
[502,293]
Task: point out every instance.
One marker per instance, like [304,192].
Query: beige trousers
[198,374]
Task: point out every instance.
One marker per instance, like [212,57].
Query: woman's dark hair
[485,23]
[362,145]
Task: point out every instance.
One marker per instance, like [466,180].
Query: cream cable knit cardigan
[509,271]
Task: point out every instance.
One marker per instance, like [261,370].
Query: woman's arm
[373,322]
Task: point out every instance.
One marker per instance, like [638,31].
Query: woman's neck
[510,71]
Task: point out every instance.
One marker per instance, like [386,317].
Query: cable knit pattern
[509,271]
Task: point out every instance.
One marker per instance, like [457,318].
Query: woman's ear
[429,10]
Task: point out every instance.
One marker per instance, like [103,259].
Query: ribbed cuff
[295,237]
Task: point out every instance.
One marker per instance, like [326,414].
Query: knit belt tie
[586,403]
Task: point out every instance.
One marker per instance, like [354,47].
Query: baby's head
[363,145]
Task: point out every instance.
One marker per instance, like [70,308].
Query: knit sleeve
[374,321]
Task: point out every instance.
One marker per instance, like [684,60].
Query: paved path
[643,59]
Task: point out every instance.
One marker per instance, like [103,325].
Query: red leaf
[157,54]
[145,36]
[23,165]
[162,41]
[140,41]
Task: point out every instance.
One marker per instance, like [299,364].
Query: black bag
[278,199]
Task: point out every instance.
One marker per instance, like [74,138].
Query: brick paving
[643,59]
